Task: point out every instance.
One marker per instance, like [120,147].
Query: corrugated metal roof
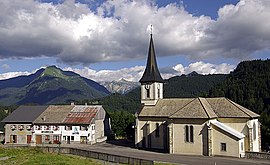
[81,115]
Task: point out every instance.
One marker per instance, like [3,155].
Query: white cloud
[5,66]
[73,33]
[207,68]
[130,74]
[9,75]
[135,73]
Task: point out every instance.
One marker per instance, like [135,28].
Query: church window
[189,135]
[254,131]
[147,88]
[147,93]
[158,93]
[223,147]
[157,130]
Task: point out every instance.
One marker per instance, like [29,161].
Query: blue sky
[109,39]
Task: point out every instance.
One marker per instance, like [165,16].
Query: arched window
[157,130]
[189,133]
[147,93]
[147,88]
[254,131]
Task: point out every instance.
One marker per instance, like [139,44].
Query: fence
[98,155]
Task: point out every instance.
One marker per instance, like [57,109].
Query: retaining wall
[258,155]
[98,155]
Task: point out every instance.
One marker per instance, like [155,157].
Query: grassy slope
[27,156]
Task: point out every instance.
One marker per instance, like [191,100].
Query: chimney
[72,103]
[85,104]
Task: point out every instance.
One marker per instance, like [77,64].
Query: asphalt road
[123,149]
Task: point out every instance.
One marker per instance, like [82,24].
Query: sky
[108,40]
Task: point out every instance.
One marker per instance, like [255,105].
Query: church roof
[204,108]
[151,72]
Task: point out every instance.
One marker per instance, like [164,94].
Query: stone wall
[258,155]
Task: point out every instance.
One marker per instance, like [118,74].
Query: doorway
[68,139]
[38,139]
[28,138]
[13,138]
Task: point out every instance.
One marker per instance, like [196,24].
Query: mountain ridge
[48,86]
[121,86]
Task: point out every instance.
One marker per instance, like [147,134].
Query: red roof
[81,115]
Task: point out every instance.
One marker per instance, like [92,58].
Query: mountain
[122,86]
[49,86]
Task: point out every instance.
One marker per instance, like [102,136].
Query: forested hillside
[249,85]
[192,85]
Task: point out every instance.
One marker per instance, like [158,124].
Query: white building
[54,124]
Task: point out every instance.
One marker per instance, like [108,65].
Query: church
[192,126]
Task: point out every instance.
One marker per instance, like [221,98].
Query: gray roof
[25,114]
[204,108]
[151,73]
[54,114]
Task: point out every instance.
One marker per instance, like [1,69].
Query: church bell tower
[151,81]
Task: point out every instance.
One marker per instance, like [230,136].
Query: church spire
[151,73]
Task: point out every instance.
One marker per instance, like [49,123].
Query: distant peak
[53,71]
[194,73]
[52,67]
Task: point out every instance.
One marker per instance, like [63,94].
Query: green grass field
[32,156]
[35,156]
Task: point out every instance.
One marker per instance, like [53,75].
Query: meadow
[35,156]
